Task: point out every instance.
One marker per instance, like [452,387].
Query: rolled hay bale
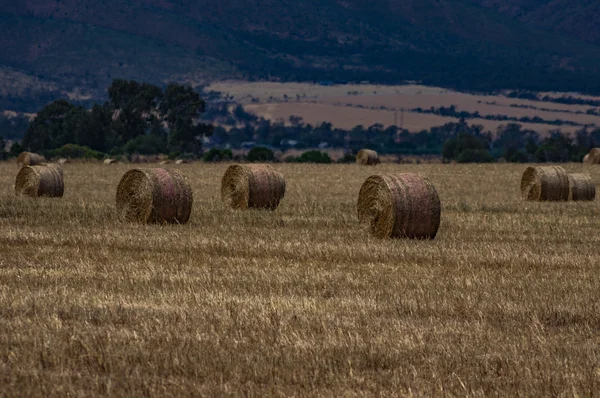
[29,159]
[581,187]
[399,206]
[545,183]
[154,196]
[40,180]
[594,156]
[165,162]
[181,161]
[586,158]
[257,186]
[367,157]
[63,161]
[110,161]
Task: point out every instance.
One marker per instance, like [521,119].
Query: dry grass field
[300,301]
[346,106]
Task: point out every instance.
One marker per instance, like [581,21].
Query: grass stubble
[300,301]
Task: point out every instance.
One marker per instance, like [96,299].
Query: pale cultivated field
[300,301]
[316,104]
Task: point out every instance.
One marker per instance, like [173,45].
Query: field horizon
[299,301]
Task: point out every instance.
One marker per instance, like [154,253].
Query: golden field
[300,301]
[346,106]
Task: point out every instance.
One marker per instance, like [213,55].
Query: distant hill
[466,44]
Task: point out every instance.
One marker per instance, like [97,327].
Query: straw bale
[586,158]
[399,206]
[367,157]
[581,187]
[40,180]
[252,186]
[181,161]
[545,183]
[154,196]
[63,161]
[594,156]
[110,161]
[165,162]
[29,159]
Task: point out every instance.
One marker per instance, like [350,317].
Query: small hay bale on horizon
[581,187]
[40,180]
[29,159]
[63,161]
[181,161]
[399,206]
[257,186]
[110,161]
[165,162]
[545,183]
[154,196]
[593,156]
[367,157]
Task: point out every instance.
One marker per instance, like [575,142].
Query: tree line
[144,119]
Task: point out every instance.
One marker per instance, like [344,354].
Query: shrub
[347,158]
[475,156]
[314,157]
[260,154]
[217,155]
[73,151]
[150,144]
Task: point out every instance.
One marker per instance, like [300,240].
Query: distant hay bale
[181,161]
[545,183]
[399,206]
[154,195]
[586,158]
[594,156]
[110,161]
[367,157]
[63,161]
[252,186]
[165,162]
[40,180]
[29,159]
[581,187]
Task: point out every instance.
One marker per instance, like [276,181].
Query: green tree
[260,154]
[181,108]
[47,130]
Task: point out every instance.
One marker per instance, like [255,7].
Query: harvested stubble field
[300,301]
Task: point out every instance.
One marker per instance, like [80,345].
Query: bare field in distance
[300,301]
[346,106]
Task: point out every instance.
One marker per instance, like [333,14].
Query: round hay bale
[40,180]
[110,161]
[367,157]
[154,196]
[594,156]
[63,161]
[252,186]
[29,159]
[581,187]
[181,161]
[586,158]
[399,206]
[165,162]
[545,183]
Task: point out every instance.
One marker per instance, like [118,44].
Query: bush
[73,151]
[217,155]
[347,158]
[291,159]
[260,154]
[15,150]
[150,144]
[314,157]
[475,156]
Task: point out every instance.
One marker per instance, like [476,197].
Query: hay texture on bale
[593,156]
[581,187]
[399,206]
[256,186]
[29,159]
[110,161]
[154,196]
[545,183]
[40,180]
[367,157]
[586,158]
